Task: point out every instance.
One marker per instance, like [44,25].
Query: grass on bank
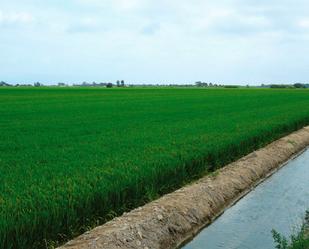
[74,157]
[299,241]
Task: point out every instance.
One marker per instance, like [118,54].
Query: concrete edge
[175,218]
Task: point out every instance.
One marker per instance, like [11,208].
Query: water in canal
[278,203]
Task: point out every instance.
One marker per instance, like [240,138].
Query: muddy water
[277,203]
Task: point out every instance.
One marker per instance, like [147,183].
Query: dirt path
[174,218]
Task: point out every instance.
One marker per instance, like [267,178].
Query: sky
[154,41]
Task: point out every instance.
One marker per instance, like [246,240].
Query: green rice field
[71,158]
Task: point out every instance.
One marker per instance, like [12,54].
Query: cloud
[178,39]
[128,4]
[116,5]
[304,23]
[85,24]
[15,18]
[239,24]
[151,29]
[230,21]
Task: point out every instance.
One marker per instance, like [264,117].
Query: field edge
[175,218]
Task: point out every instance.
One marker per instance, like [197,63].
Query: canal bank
[279,203]
[177,217]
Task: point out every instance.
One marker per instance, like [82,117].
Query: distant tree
[201,84]
[198,83]
[37,84]
[122,83]
[109,85]
[85,83]
[299,85]
[2,83]
[280,86]
[231,86]
[118,83]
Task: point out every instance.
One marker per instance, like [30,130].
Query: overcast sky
[154,41]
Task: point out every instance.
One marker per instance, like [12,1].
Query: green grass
[72,158]
[299,241]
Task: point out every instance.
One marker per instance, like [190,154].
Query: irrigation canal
[278,203]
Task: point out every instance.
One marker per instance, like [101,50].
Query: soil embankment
[173,219]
